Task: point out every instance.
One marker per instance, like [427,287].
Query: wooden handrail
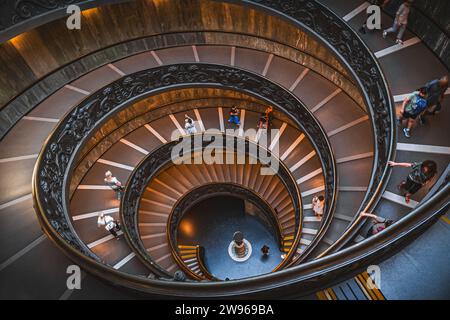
[200,252]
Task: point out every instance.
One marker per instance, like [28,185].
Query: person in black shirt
[378,223]
[265,250]
[421,174]
[269,116]
[262,123]
[435,95]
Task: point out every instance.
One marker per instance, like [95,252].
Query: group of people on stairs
[421,104]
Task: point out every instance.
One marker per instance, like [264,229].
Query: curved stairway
[92,197]
[341,117]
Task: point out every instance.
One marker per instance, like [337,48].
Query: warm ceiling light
[16,40]
[187,228]
[88,12]
[158,2]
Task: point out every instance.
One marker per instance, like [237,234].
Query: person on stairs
[234,116]
[265,250]
[114,184]
[262,123]
[435,95]
[378,223]
[422,173]
[318,202]
[400,21]
[269,116]
[189,125]
[111,225]
[412,108]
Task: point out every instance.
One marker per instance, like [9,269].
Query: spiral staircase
[118,104]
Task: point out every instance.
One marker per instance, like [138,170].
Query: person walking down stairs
[378,223]
[435,96]
[262,123]
[421,174]
[400,22]
[318,203]
[269,116]
[189,125]
[114,184]
[412,108]
[234,116]
[109,223]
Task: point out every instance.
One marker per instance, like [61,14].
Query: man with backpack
[435,95]
[412,107]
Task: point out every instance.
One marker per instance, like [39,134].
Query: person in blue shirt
[234,116]
[412,107]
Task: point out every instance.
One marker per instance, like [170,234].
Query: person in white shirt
[109,223]
[114,184]
[317,205]
[189,125]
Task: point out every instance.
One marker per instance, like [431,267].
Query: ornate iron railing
[56,162]
[200,253]
[17,16]
[345,43]
[158,160]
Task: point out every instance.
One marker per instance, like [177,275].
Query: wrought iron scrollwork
[345,42]
[56,160]
[16,11]
[156,161]
[306,278]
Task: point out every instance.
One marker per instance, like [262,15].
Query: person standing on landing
[265,250]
